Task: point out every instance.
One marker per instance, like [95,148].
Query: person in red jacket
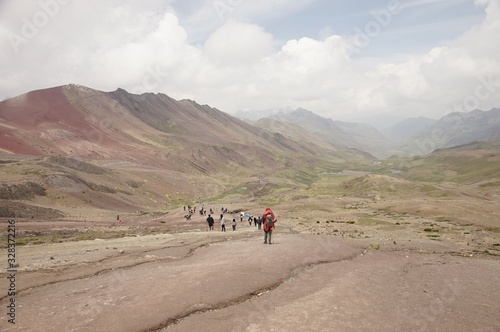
[268,219]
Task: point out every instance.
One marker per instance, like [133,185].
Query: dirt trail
[153,294]
[233,282]
[379,291]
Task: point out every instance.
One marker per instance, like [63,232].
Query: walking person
[269,219]
[222,223]
[234,224]
[210,221]
[259,222]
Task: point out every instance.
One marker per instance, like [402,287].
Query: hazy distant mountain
[254,116]
[379,121]
[352,135]
[456,129]
[310,141]
[405,129]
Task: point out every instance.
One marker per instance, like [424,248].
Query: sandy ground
[315,277]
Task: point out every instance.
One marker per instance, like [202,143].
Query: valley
[103,242]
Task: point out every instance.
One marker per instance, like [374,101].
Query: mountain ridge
[455,129]
[351,135]
[74,120]
[116,152]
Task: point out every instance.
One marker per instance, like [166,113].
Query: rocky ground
[342,265]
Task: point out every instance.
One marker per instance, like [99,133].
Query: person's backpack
[269,220]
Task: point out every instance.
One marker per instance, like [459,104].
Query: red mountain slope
[77,121]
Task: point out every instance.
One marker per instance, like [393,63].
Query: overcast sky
[343,59]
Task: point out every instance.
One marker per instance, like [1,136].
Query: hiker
[210,222]
[234,224]
[259,222]
[223,223]
[269,220]
[250,220]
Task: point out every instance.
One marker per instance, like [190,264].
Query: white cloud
[238,43]
[144,47]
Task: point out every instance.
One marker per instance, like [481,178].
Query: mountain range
[67,149]
[77,121]
[455,129]
[412,136]
[74,120]
[351,135]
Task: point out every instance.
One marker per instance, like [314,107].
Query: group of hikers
[192,210]
[268,219]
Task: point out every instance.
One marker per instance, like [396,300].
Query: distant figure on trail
[259,222]
[222,223]
[250,220]
[234,224]
[269,220]
[210,222]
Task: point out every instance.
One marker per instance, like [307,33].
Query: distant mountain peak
[300,109]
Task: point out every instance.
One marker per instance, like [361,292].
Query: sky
[342,59]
